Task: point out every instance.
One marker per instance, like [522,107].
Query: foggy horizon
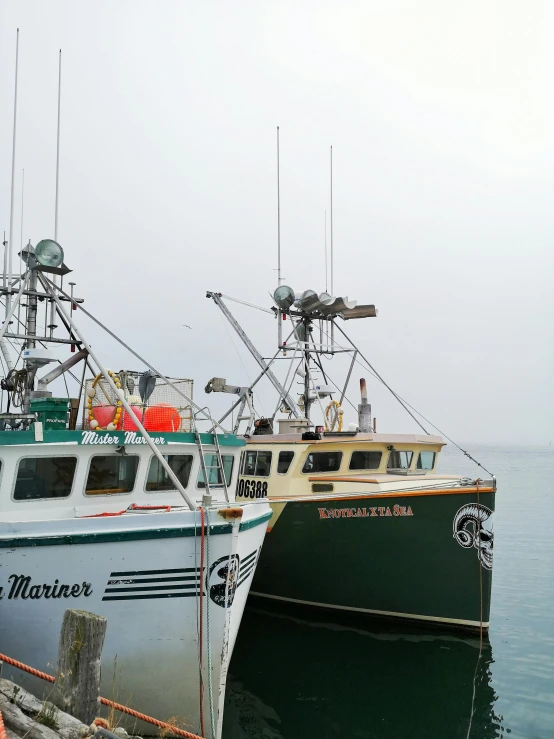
[443,150]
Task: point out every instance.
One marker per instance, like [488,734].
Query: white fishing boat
[127,511]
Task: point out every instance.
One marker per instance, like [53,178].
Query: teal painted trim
[9,438]
[104,537]
[256,521]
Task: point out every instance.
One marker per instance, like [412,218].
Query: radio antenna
[278,216]
[58,146]
[332,288]
[52,324]
[325,251]
[10,245]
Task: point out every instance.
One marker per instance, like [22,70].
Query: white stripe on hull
[411,616]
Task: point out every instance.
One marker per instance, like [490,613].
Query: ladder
[206,468]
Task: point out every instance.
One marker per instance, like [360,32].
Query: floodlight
[284,297]
[307,300]
[49,253]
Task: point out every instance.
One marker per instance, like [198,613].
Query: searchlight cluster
[320,305]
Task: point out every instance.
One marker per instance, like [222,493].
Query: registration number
[252,489]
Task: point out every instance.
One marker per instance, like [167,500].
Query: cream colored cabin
[285,465]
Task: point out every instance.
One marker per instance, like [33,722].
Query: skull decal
[473,528]
[223,580]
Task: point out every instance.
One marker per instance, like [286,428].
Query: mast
[10,244]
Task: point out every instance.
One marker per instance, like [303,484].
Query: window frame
[329,472]
[40,456]
[290,463]
[426,451]
[110,495]
[218,485]
[365,469]
[246,452]
[173,489]
[401,451]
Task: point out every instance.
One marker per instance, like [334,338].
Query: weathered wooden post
[78,670]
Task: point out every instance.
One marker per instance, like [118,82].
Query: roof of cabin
[347,439]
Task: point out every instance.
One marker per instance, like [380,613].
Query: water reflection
[307,674]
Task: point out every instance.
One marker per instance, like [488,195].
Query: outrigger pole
[118,394]
[141,359]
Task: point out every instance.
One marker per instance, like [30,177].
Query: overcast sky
[441,117]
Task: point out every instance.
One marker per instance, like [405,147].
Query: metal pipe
[13,306]
[6,355]
[60,369]
[121,395]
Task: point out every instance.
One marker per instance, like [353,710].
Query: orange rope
[149,719]
[104,701]
[201,580]
[3,734]
[26,668]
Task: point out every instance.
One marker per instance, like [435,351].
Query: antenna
[278,216]
[10,245]
[325,251]
[58,146]
[21,236]
[52,324]
[332,290]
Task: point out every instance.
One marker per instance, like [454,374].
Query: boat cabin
[70,474]
[284,465]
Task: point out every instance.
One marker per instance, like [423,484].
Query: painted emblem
[223,578]
[473,528]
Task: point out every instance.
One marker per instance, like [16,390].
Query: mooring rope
[105,701]
[209,642]
[480,631]
[3,734]
[200,608]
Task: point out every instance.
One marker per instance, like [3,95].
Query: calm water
[298,674]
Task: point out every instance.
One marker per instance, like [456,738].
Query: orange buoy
[129,418]
[162,417]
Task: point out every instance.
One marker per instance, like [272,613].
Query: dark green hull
[396,556]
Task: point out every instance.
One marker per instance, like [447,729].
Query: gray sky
[441,118]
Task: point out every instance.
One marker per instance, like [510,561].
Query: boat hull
[413,555]
[145,579]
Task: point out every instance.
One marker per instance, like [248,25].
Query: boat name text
[397,510]
[21,587]
[91,437]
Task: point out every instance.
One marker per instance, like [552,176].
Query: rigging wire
[406,405]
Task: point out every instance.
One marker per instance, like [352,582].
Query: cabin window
[365,460]
[426,460]
[284,462]
[214,471]
[111,474]
[399,460]
[322,462]
[158,479]
[256,464]
[44,477]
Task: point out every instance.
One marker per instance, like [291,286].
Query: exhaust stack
[364,410]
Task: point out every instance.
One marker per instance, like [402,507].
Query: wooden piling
[78,668]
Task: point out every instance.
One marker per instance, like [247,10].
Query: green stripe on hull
[349,555]
[113,536]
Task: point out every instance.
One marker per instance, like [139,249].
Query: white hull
[142,573]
